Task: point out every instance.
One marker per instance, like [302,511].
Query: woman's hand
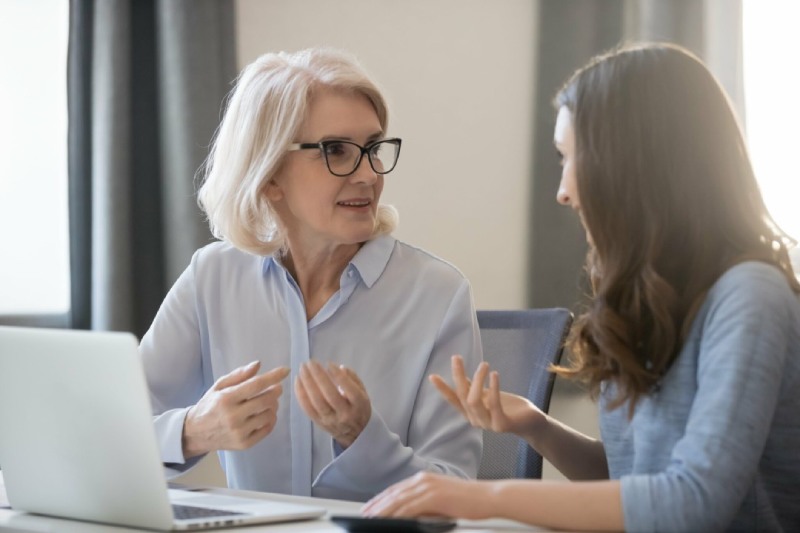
[488,407]
[426,494]
[335,399]
[239,410]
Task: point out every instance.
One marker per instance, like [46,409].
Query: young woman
[692,338]
[307,282]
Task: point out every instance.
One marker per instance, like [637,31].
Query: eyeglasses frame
[322,145]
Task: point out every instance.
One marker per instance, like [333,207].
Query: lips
[354,203]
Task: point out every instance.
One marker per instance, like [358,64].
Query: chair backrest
[520,345]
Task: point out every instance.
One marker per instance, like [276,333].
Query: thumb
[238,375]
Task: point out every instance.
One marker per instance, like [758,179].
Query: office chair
[520,345]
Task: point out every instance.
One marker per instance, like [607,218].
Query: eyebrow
[372,137]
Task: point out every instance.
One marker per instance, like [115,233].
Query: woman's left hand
[335,399]
[426,494]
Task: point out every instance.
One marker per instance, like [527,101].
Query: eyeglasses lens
[343,157]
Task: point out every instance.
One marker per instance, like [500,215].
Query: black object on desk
[362,524]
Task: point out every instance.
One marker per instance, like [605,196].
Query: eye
[336,149]
[560,157]
[376,148]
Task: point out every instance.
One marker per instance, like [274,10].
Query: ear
[274,191]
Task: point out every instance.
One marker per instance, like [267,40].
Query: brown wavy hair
[669,197]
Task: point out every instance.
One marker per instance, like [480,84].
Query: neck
[317,271]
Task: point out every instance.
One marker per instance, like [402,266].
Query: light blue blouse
[399,315]
[717,447]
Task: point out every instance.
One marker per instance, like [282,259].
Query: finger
[246,412]
[257,384]
[238,375]
[448,393]
[326,386]
[387,500]
[315,397]
[410,507]
[259,427]
[475,403]
[303,399]
[348,384]
[258,434]
[475,393]
[240,428]
[459,377]
[351,376]
[257,421]
[403,503]
[381,505]
[267,400]
[493,398]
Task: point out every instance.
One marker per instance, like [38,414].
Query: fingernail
[251,365]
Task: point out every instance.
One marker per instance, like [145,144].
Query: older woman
[307,282]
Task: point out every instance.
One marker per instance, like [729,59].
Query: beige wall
[458,77]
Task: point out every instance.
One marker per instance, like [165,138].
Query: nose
[562,196]
[364,172]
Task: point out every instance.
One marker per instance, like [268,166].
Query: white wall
[458,75]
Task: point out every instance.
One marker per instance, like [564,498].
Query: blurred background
[108,108]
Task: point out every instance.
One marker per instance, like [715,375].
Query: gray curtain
[146,80]
[570,32]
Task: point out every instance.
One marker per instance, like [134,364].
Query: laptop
[77,438]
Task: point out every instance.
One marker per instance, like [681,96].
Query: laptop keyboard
[186,512]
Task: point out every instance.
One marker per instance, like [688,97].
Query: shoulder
[755,287]
[222,256]
[752,274]
[426,263]
[750,309]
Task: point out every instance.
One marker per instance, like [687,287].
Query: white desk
[22,522]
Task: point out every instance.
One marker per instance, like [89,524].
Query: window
[772,85]
[34,271]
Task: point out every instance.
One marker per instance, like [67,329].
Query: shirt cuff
[353,473]
[169,431]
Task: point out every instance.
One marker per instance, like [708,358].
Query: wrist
[491,500]
[189,441]
[535,427]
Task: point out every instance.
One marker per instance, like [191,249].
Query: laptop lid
[77,437]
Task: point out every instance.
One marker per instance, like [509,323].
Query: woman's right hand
[239,410]
[488,407]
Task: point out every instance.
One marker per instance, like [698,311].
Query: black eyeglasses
[343,157]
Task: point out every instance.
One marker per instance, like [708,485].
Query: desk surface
[11,520]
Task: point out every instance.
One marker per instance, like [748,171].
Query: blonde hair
[265,111]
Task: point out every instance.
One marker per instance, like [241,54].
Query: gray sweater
[717,446]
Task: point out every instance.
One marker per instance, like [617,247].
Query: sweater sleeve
[742,353]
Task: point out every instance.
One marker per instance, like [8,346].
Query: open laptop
[77,438]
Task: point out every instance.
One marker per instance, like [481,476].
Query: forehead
[563,133]
[340,114]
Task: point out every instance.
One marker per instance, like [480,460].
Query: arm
[437,441]
[192,419]
[580,506]
[575,455]
[741,357]
[171,355]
